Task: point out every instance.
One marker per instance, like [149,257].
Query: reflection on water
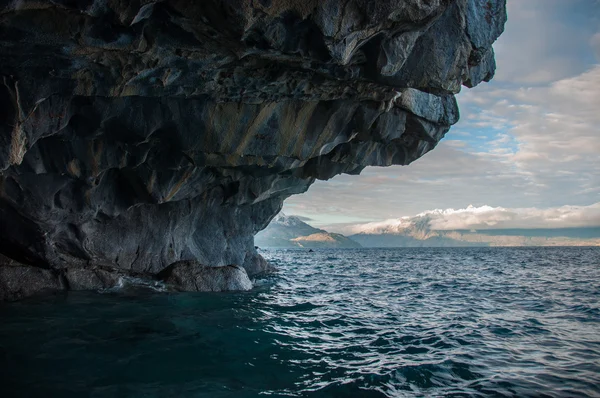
[333,323]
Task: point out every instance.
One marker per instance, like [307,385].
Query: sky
[528,142]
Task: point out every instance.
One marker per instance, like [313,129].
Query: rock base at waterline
[18,281]
[191,276]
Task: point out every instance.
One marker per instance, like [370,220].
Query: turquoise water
[333,323]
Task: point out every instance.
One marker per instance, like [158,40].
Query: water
[333,323]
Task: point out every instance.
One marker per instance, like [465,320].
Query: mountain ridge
[477,226]
[290,231]
[419,234]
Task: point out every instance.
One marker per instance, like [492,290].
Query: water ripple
[472,322]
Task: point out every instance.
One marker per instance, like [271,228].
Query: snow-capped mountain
[488,217]
[485,226]
[291,231]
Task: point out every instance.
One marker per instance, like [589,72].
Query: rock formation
[135,134]
[190,276]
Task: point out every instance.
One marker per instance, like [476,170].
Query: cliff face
[134,134]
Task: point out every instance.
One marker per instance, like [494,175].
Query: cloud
[545,40]
[551,136]
[305,219]
[484,218]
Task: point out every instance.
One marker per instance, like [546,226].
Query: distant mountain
[325,239]
[391,240]
[475,226]
[291,231]
[406,232]
[417,232]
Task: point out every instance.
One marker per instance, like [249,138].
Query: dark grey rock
[191,276]
[255,264]
[18,281]
[485,21]
[137,134]
[91,278]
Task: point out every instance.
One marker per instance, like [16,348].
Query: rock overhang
[136,134]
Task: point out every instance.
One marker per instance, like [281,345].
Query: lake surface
[333,323]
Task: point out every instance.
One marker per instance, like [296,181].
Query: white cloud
[554,130]
[485,217]
[545,40]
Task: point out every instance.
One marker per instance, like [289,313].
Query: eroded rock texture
[134,134]
[191,276]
